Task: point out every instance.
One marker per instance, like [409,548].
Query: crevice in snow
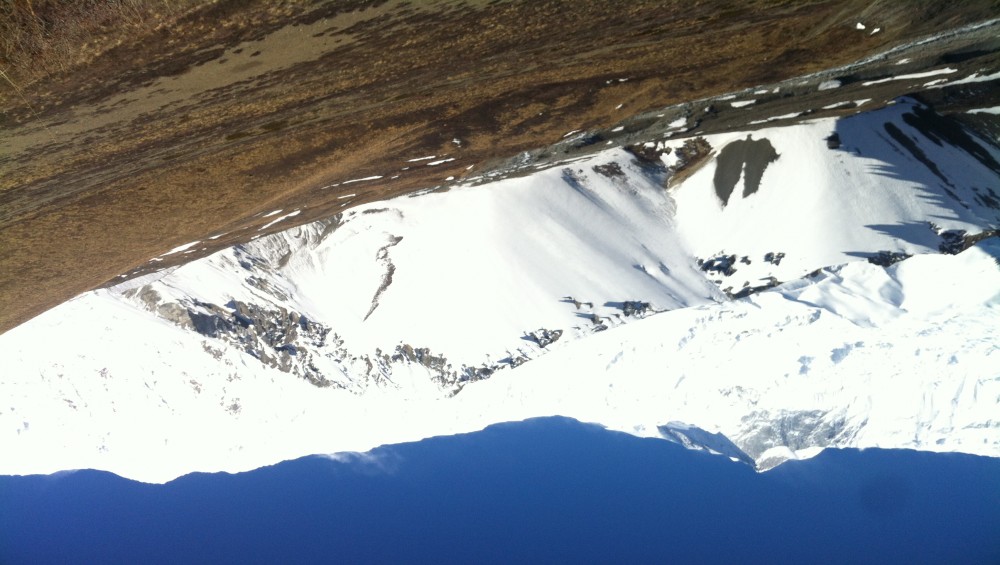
[390,269]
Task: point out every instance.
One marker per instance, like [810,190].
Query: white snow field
[434,315]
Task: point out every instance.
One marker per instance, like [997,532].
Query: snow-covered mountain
[638,288]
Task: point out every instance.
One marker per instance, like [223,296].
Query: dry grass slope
[39,38]
[139,125]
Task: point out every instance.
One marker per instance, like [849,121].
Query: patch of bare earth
[199,125]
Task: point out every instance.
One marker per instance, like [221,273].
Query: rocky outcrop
[277,337]
[635,308]
[382,256]
[954,242]
[544,337]
[886,258]
[289,341]
[442,371]
[794,430]
[610,170]
[690,157]
[723,265]
[649,153]
[281,339]
[749,289]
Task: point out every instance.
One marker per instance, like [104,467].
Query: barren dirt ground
[202,126]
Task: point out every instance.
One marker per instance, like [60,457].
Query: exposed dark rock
[610,170]
[382,256]
[724,264]
[422,356]
[747,290]
[291,342]
[634,308]
[211,325]
[886,258]
[278,338]
[476,373]
[544,337]
[954,242]
[441,370]
[691,154]
[514,361]
[648,152]
[774,258]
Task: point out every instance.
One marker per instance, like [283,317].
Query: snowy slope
[419,316]
[465,274]
[855,356]
[821,206]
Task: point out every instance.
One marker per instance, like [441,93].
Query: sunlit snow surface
[855,355]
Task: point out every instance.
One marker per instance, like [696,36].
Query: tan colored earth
[198,126]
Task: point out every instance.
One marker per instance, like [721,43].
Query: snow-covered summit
[452,310]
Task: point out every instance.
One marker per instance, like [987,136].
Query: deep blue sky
[546,490]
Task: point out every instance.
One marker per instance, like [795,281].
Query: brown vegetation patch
[131,133]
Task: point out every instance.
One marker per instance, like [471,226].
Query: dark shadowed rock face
[747,158]
[279,338]
[543,337]
[887,258]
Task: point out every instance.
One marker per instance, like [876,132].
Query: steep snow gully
[760,294]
